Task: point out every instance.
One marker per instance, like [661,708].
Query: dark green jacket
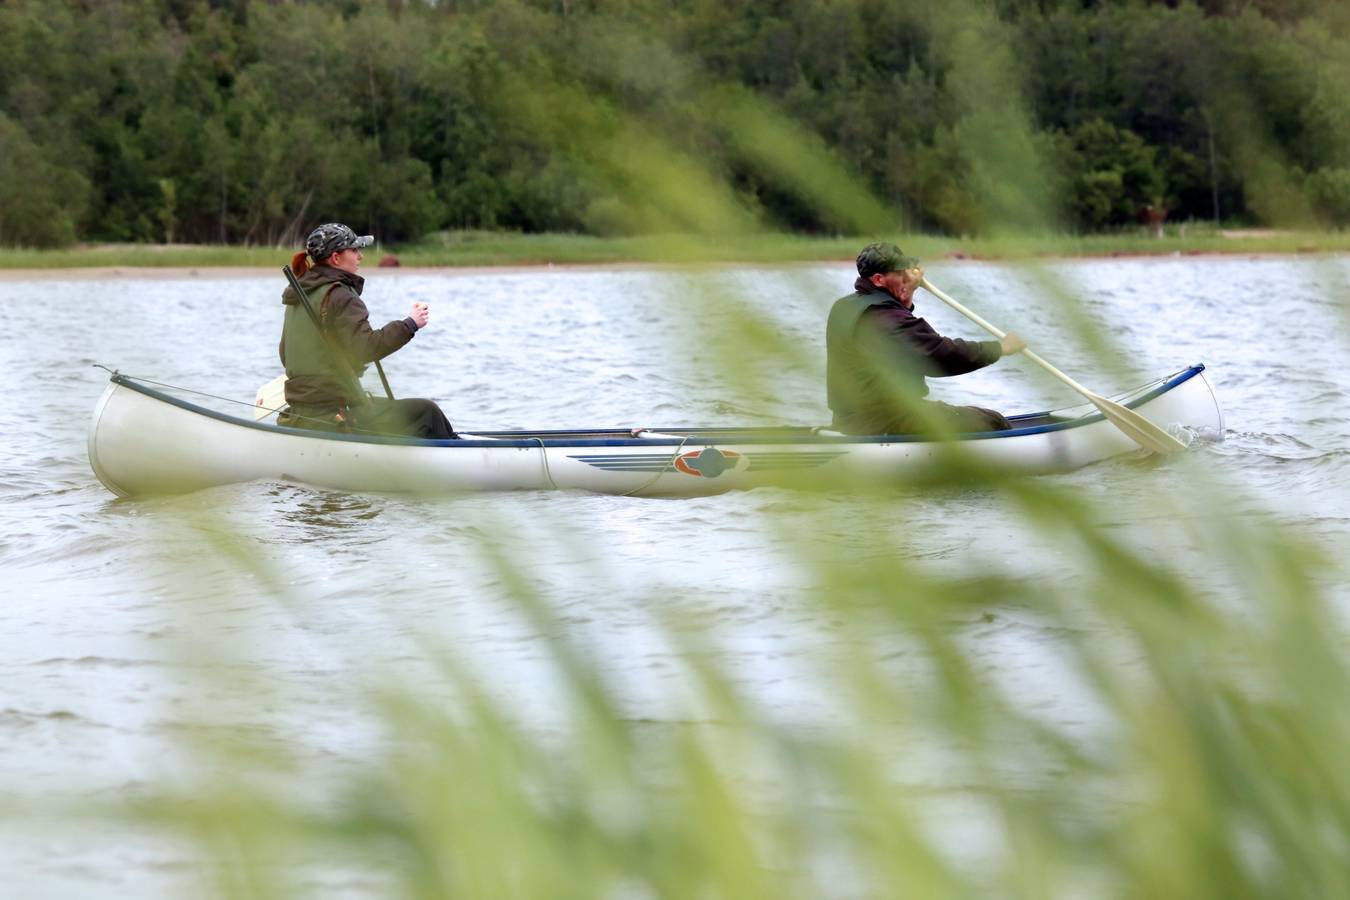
[878,354]
[314,378]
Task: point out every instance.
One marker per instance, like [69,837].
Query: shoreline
[480,252]
[180,272]
[177,272]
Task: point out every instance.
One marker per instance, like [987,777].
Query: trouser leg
[977,418]
[957,419]
[410,417]
[312,419]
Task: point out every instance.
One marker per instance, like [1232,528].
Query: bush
[1110,172]
[1329,190]
[42,202]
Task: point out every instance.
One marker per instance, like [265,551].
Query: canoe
[145,440]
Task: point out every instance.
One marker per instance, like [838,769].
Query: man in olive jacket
[878,354]
[323,365]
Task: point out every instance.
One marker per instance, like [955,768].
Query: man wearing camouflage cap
[323,364]
[878,354]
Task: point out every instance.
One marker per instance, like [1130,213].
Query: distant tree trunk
[292,234]
[224,208]
[1213,165]
[374,103]
[253,228]
[168,211]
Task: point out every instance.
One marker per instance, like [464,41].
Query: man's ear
[877,279]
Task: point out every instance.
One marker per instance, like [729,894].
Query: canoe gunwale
[681,436]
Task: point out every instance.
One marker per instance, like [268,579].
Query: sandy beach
[176,273]
[208,273]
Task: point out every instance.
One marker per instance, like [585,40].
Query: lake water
[123,623]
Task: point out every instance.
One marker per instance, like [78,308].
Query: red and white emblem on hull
[708,462]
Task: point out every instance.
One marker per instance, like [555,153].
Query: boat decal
[708,462]
[627,462]
[763,462]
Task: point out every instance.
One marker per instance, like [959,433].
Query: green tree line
[233,121]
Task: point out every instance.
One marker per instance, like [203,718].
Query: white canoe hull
[143,441]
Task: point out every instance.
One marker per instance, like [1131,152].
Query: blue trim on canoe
[692,437]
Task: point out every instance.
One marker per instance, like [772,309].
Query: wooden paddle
[1136,427]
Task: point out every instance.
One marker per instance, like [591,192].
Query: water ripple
[281,587]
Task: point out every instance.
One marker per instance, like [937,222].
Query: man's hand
[419,314]
[1011,344]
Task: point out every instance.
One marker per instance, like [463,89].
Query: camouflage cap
[328,239]
[880,258]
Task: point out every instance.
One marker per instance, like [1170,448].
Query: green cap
[881,258]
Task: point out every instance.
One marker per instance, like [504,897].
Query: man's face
[900,285]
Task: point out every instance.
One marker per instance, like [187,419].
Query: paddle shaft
[337,353]
[1135,426]
[388,391]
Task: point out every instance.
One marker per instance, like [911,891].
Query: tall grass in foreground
[1201,759]
[1213,670]
[1212,679]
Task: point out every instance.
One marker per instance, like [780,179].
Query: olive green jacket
[878,354]
[315,379]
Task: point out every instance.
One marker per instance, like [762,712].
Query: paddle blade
[271,398]
[1140,430]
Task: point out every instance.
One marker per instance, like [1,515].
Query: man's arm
[944,356]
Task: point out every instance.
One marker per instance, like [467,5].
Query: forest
[246,123]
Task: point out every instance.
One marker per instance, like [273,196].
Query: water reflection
[309,515]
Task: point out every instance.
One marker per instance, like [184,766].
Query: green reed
[1212,672]
[1202,645]
[1206,650]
